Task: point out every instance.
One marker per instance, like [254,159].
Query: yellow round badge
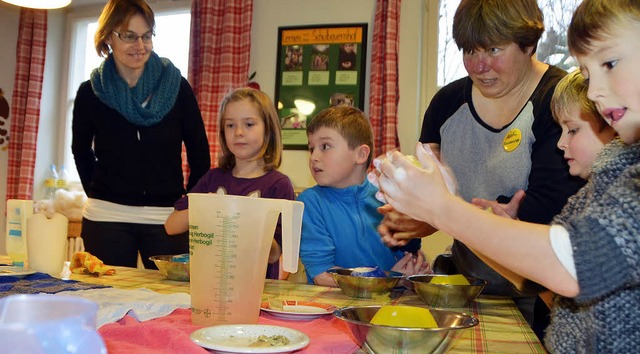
[512,140]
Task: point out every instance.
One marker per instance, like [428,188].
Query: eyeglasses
[130,37]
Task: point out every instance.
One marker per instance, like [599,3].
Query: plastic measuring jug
[229,241]
[49,324]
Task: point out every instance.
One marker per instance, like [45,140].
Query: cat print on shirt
[222,191]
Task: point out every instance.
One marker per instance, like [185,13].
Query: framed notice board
[317,67]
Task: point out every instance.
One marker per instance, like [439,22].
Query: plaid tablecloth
[502,328]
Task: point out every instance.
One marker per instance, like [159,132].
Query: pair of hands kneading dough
[400,174]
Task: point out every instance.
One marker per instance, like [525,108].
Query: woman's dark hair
[482,24]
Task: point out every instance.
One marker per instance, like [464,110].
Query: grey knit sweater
[603,221]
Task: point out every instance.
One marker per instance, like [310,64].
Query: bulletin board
[317,67]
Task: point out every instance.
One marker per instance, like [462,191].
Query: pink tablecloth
[170,334]
[502,328]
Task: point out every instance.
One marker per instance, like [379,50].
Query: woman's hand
[509,210]
[396,229]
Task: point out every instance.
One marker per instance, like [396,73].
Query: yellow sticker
[512,140]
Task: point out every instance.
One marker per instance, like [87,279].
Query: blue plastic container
[49,324]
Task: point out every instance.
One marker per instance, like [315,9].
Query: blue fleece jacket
[339,229]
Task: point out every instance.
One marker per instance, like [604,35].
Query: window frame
[77,21]
[433,35]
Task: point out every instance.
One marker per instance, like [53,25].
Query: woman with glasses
[130,121]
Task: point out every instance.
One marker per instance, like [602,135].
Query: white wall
[9,18]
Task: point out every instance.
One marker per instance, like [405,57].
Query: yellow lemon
[404,316]
[455,279]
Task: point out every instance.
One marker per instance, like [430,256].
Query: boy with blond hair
[584,130]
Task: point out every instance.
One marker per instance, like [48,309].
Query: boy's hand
[325,279]
[412,264]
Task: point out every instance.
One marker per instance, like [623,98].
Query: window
[552,48]
[171,41]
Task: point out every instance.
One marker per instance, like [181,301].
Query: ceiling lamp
[40,4]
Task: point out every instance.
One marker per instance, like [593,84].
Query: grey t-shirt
[490,170]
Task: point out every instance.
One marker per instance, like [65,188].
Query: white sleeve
[561,244]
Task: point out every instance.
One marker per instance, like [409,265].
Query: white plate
[297,310]
[238,338]
[11,271]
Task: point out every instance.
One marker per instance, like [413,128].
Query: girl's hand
[417,192]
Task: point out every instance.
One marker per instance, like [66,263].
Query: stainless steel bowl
[364,287]
[386,339]
[446,295]
[173,270]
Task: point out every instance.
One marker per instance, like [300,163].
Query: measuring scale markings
[227,257]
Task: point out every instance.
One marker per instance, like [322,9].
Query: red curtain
[384,92]
[218,56]
[25,103]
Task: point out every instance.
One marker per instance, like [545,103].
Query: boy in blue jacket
[340,218]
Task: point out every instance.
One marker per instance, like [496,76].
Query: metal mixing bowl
[387,339]
[364,287]
[446,295]
[173,270]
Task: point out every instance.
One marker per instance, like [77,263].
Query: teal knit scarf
[159,84]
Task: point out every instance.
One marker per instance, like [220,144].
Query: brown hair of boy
[349,122]
[594,20]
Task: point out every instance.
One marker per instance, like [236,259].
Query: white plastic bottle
[65,274]
[16,242]
[51,182]
[63,178]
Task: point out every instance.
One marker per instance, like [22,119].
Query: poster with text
[317,67]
